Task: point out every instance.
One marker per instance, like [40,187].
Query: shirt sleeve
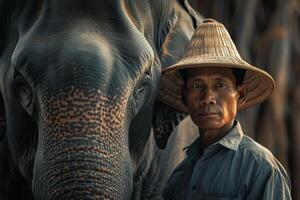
[274,185]
[169,189]
[171,185]
[278,187]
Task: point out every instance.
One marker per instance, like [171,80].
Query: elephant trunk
[83,147]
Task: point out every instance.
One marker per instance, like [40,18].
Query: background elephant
[78,84]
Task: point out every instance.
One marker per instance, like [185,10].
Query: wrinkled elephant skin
[78,82]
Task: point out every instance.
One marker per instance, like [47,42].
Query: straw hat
[211,45]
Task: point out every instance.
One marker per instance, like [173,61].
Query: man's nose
[208,98]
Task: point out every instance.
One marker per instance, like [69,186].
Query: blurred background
[267,34]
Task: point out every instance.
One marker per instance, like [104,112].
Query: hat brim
[258,83]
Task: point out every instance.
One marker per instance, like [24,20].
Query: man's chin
[208,124]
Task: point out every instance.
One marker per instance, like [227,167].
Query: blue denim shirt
[235,167]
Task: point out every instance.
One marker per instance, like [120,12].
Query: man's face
[211,97]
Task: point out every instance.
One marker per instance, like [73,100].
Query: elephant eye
[142,86]
[142,89]
[23,92]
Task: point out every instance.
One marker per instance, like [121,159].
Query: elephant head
[79,81]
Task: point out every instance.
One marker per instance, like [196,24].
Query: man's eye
[197,85]
[220,85]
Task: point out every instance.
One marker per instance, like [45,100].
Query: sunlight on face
[211,97]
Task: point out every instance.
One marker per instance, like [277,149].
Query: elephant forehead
[130,50]
[88,43]
[89,50]
[82,112]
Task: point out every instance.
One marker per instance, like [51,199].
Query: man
[216,83]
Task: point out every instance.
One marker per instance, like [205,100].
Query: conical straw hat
[212,46]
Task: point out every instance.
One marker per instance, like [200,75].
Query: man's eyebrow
[196,79]
[215,77]
[222,78]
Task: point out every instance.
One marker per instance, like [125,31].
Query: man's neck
[211,136]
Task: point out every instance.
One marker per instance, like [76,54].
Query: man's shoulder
[259,155]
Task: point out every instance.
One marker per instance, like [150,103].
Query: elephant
[79,113]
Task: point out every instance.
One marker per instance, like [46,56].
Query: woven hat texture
[212,46]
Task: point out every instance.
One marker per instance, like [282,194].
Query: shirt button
[194,187]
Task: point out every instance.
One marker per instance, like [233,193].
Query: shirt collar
[231,141]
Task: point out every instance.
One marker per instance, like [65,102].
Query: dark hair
[239,75]
[182,72]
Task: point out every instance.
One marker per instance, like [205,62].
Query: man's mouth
[208,111]
[207,114]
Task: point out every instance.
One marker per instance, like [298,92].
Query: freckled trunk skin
[83,147]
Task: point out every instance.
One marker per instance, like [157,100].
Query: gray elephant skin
[79,117]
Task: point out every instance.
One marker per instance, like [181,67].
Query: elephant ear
[181,27]
[197,18]
[165,120]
